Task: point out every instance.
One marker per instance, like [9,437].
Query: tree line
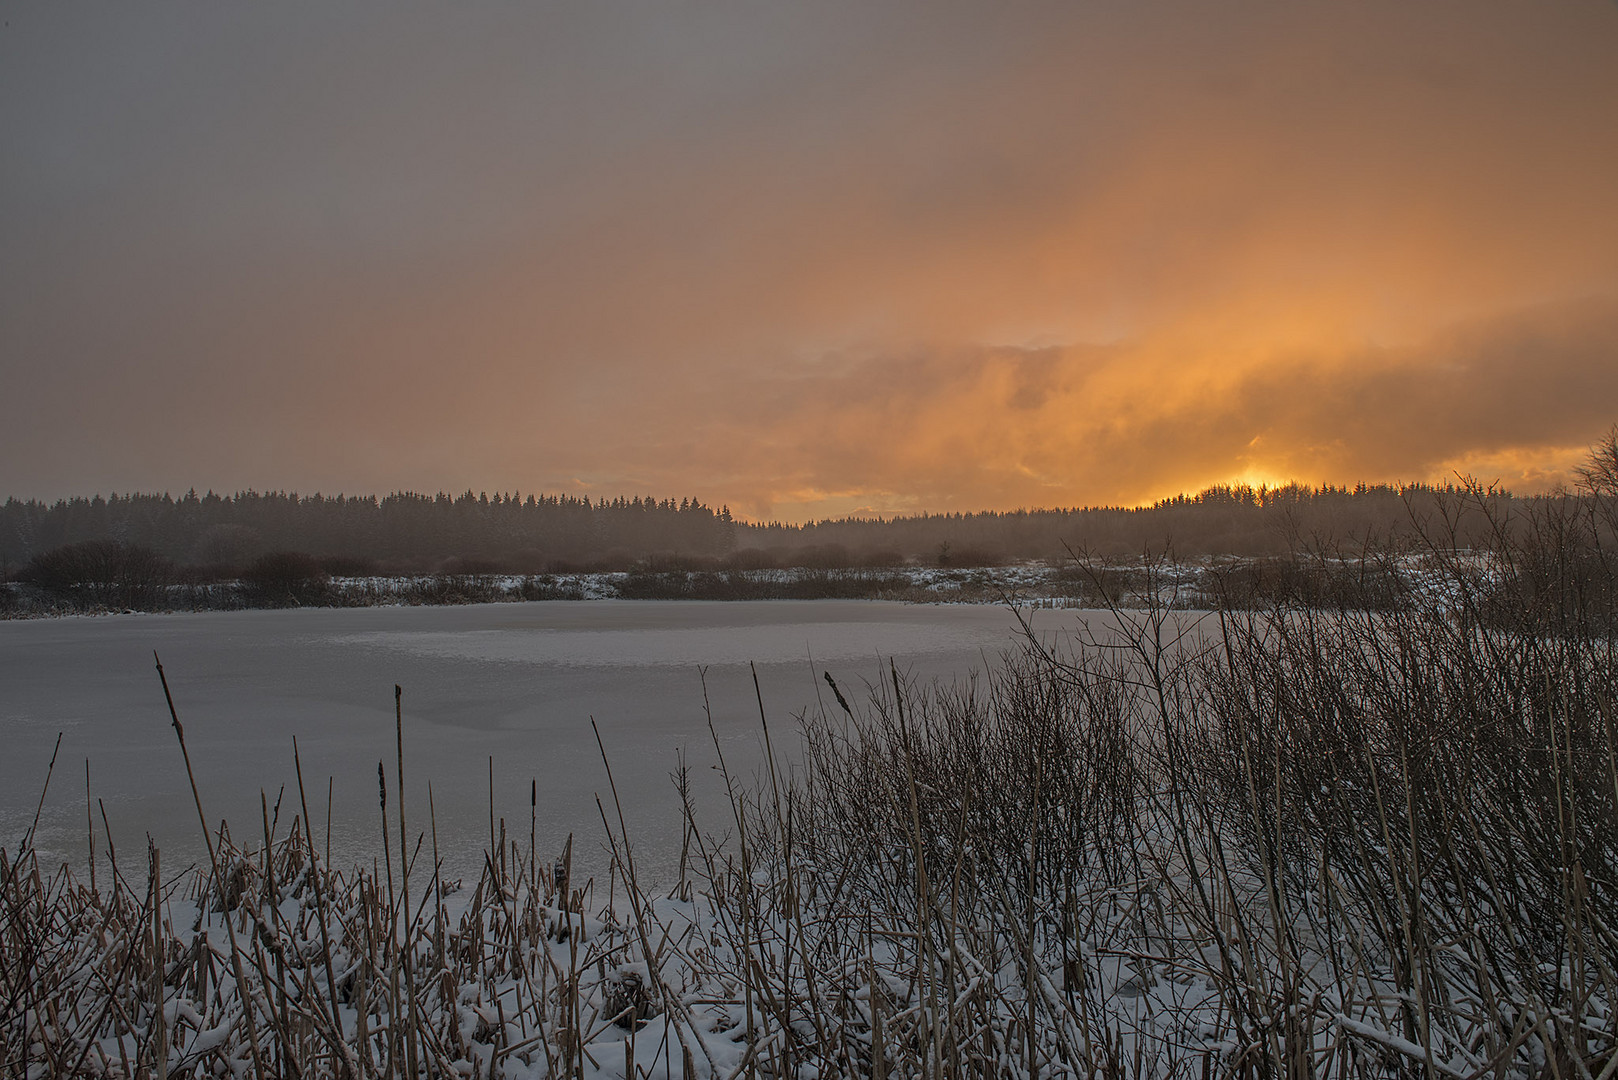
[407,532]
[156,552]
[398,533]
[1230,519]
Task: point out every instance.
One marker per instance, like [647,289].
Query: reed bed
[1253,842]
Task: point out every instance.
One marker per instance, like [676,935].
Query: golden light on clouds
[808,261]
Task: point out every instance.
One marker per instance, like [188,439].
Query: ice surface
[517,683]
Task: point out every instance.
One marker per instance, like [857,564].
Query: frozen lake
[515,683]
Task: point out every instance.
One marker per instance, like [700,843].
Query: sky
[805,260]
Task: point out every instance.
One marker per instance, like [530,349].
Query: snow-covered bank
[1201,584]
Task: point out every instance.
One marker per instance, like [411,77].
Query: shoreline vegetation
[1325,546]
[1200,585]
[212,537]
[1269,840]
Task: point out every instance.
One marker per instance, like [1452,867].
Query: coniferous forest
[511,533]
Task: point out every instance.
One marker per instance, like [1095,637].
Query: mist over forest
[214,535]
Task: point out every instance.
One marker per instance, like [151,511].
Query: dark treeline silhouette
[217,536]
[357,535]
[1220,520]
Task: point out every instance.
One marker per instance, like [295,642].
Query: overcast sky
[805,258]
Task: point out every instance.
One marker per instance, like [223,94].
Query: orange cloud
[1514,398]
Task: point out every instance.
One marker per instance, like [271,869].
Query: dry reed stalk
[230,930]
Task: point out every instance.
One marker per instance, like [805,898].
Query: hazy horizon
[806,261]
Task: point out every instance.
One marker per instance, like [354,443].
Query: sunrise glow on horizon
[806,260]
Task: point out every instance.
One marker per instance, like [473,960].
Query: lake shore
[1314,581]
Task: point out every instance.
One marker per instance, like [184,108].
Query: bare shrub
[101,573]
[286,578]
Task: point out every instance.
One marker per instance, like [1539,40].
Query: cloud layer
[805,259]
[1513,399]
